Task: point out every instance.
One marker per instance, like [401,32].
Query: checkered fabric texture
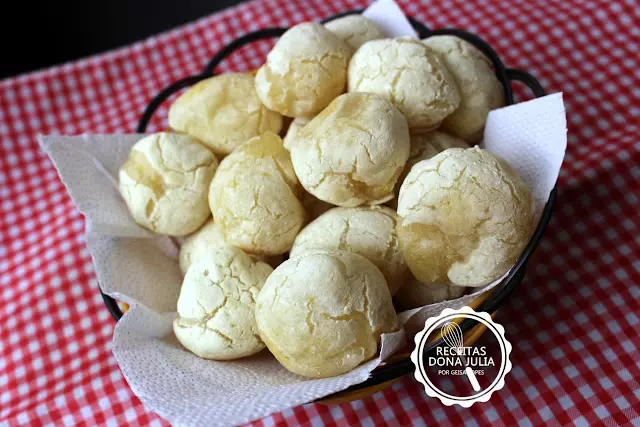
[574,321]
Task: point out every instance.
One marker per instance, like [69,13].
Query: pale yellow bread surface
[254,197]
[216,305]
[353,152]
[322,313]
[408,74]
[367,231]
[304,72]
[165,182]
[425,146]
[293,130]
[466,217]
[354,30]
[223,112]
[199,244]
[207,239]
[480,90]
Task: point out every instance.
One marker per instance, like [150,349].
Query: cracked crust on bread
[165,181]
[254,197]
[480,90]
[216,305]
[408,74]
[354,30]
[353,152]
[304,72]
[223,112]
[466,217]
[366,231]
[322,313]
[423,147]
[209,237]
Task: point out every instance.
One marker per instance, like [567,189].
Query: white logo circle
[456,354]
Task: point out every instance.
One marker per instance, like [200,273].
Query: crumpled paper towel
[388,16]
[138,267]
[135,266]
[187,390]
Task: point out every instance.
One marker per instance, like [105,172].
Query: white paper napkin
[138,267]
[388,16]
[187,390]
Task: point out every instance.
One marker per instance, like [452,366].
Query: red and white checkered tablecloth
[574,321]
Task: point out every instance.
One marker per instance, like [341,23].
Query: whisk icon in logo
[452,335]
[442,367]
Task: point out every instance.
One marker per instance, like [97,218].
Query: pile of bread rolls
[308,239]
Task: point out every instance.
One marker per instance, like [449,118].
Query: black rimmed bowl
[400,364]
